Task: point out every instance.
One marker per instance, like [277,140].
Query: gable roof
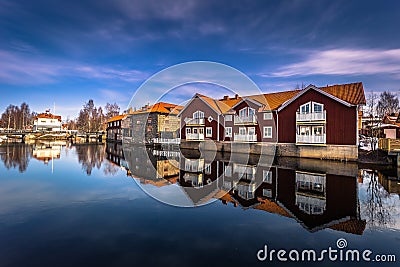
[219,106]
[117,118]
[269,101]
[348,94]
[47,116]
[160,107]
[273,101]
[352,93]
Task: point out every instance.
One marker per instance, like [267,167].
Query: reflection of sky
[390,204]
[69,219]
[39,188]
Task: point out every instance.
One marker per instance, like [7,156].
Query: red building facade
[311,116]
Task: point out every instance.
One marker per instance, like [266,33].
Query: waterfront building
[316,122]
[47,122]
[153,124]
[114,128]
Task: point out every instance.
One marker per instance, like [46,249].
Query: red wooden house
[311,116]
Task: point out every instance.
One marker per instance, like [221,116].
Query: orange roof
[160,107]
[273,101]
[352,93]
[48,116]
[353,226]
[220,106]
[117,118]
[271,207]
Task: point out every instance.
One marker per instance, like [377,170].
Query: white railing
[175,141]
[311,139]
[194,165]
[252,119]
[313,116]
[194,121]
[193,136]
[245,138]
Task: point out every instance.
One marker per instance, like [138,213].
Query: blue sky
[65,52]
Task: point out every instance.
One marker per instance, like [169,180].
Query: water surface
[83,205]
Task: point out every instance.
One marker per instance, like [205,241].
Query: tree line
[90,118]
[17,117]
[383,104]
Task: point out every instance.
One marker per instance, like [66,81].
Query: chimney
[236,96]
[226,97]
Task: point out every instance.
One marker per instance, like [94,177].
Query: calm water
[83,205]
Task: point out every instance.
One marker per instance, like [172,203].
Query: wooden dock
[389,145]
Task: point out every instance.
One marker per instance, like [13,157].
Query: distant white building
[47,122]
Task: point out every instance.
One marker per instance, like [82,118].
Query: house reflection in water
[149,166]
[46,152]
[316,194]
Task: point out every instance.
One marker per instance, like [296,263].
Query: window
[305,108]
[247,112]
[208,131]
[195,130]
[188,130]
[318,107]
[198,115]
[252,112]
[268,116]
[242,131]
[243,112]
[305,130]
[267,193]
[228,171]
[228,118]
[268,132]
[228,132]
[318,130]
[201,130]
[251,130]
[267,176]
[207,169]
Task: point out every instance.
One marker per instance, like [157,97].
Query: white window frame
[316,127]
[228,117]
[207,169]
[267,116]
[208,131]
[228,171]
[198,114]
[251,130]
[265,133]
[228,131]
[267,176]
[267,192]
[317,104]
[243,112]
[305,110]
[252,113]
[242,129]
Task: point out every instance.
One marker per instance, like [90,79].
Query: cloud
[112,95]
[22,69]
[344,62]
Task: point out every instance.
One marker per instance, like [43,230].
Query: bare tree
[376,210]
[112,110]
[388,103]
[90,118]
